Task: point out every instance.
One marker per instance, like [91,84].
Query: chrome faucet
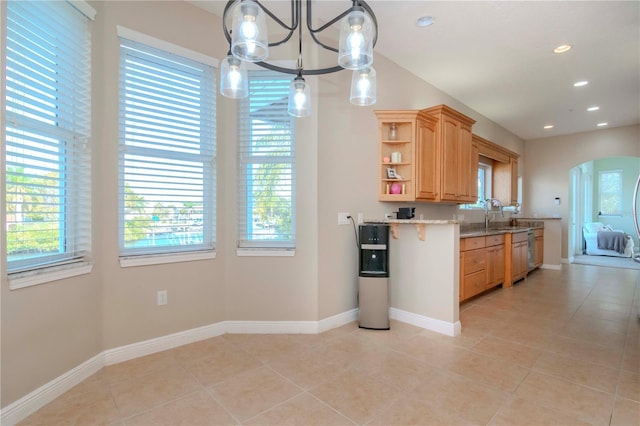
[488,204]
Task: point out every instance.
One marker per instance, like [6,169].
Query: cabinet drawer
[472,243]
[519,237]
[474,260]
[495,240]
[474,284]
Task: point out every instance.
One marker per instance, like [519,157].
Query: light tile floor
[561,347]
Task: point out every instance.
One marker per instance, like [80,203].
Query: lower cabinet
[519,256]
[538,255]
[481,264]
[495,260]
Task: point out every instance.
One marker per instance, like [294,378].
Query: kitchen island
[424,273]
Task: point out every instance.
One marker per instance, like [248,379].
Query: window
[610,192]
[47,131]
[167,153]
[484,187]
[266,164]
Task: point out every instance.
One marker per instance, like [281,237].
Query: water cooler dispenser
[373,282]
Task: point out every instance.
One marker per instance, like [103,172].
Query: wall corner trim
[428,323]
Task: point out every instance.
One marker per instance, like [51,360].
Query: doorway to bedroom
[601,191]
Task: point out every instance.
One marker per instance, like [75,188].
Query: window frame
[70,133]
[618,193]
[187,252]
[487,185]
[263,247]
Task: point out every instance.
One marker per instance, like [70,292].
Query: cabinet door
[427,165]
[495,265]
[519,262]
[468,167]
[450,156]
[539,254]
[513,163]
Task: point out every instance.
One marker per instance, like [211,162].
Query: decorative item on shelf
[386,160]
[248,41]
[391,173]
[395,189]
[396,157]
[393,132]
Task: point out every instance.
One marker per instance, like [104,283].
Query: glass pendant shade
[363,87]
[356,41]
[234,82]
[249,39]
[299,98]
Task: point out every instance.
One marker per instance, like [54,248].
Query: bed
[593,231]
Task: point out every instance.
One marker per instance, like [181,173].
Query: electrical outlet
[162,297]
[388,215]
[360,218]
[343,218]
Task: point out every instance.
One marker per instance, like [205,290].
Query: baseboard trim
[428,323]
[271,327]
[551,266]
[163,343]
[338,320]
[32,402]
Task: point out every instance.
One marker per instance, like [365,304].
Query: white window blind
[48,110]
[167,152]
[266,164]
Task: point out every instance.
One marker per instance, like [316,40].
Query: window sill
[246,252]
[144,260]
[43,276]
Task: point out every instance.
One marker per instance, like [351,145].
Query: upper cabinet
[397,135]
[439,160]
[504,170]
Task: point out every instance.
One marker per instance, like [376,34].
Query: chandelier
[248,40]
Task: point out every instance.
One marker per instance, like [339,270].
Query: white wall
[549,160]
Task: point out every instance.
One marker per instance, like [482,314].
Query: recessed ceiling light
[580,83]
[602,124]
[424,21]
[563,48]
[549,126]
[593,108]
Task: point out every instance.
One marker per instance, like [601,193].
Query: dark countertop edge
[472,234]
[538,218]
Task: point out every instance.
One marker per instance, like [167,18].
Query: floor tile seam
[321,401]
[157,406]
[595,364]
[504,360]
[212,396]
[598,345]
[276,372]
[550,406]
[573,382]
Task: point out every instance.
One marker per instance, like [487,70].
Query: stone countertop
[497,231]
[539,218]
[415,221]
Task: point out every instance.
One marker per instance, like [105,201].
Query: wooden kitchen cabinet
[505,181]
[455,166]
[538,255]
[519,256]
[413,131]
[504,170]
[495,260]
[473,272]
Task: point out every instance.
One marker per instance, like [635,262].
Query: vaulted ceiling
[497,57]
